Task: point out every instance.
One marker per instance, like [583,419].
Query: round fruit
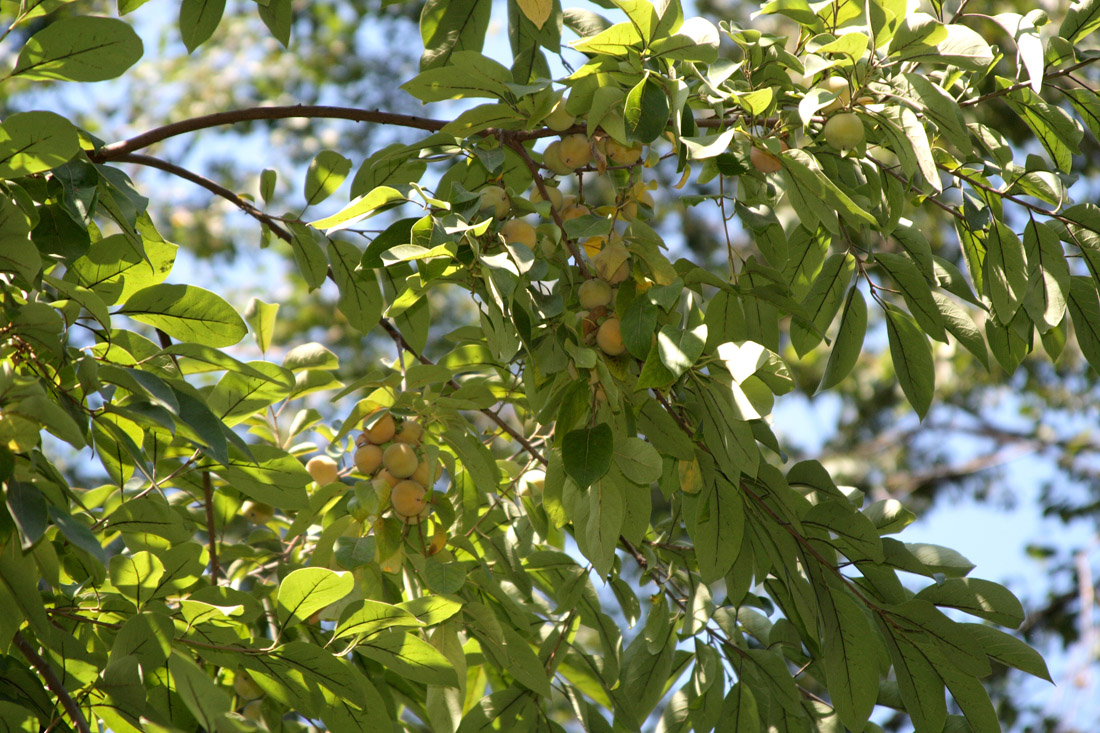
[362,439]
[610,338]
[388,477]
[423,474]
[535,481]
[559,118]
[245,687]
[620,154]
[573,211]
[593,293]
[400,459]
[439,539]
[368,458]
[764,161]
[383,429]
[552,158]
[257,512]
[494,201]
[575,151]
[837,85]
[519,231]
[323,470]
[407,499]
[844,130]
[553,192]
[410,433]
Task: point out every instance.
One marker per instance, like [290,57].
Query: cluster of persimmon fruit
[389,452]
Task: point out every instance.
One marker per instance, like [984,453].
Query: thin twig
[208,492]
[52,681]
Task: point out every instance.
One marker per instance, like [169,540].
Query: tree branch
[114,151]
[52,682]
[208,495]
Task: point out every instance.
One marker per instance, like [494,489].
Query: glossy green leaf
[409,656]
[198,21]
[587,453]
[187,313]
[80,48]
[325,174]
[307,590]
[848,343]
[912,358]
[33,142]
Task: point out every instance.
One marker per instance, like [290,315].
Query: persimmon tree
[570,510]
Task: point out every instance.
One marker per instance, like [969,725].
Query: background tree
[355,601]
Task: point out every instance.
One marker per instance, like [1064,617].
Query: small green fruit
[844,130]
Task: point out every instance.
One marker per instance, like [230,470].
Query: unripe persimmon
[388,477]
[400,459]
[576,151]
[423,474]
[560,118]
[323,470]
[519,231]
[837,85]
[368,457]
[257,512]
[553,192]
[551,157]
[382,430]
[254,711]
[245,687]
[593,293]
[361,439]
[494,201]
[410,432]
[844,130]
[609,337]
[620,154]
[764,161]
[407,499]
[572,211]
[613,263]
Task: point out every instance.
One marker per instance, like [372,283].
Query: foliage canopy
[567,442]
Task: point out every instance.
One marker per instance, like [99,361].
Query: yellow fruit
[410,432]
[575,151]
[494,201]
[519,231]
[764,161]
[844,130]
[620,154]
[400,459]
[361,439]
[245,687]
[383,429]
[407,499]
[839,86]
[610,338]
[559,118]
[534,481]
[368,458]
[423,474]
[594,293]
[257,512]
[439,539]
[388,477]
[323,470]
[555,194]
[573,211]
[551,157]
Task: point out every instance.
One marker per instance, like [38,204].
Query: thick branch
[52,682]
[116,150]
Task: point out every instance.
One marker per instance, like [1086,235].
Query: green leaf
[1084,309]
[849,657]
[848,342]
[638,460]
[368,617]
[1048,276]
[823,300]
[889,516]
[187,313]
[646,110]
[1009,650]
[587,453]
[921,688]
[206,701]
[261,318]
[1081,19]
[326,172]
[307,590]
[275,478]
[410,657]
[715,520]
[308,254]
[960,325]
[916,292]
[377,200]
[982,598]
[617,40]
[601,512]
[468,74]
[679,348]
[198,21]
[32,142]
[912,357]
[449,26]
[739,709]
[483,117]
[83,48]
[136,576]
[815,196]
[360,297]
